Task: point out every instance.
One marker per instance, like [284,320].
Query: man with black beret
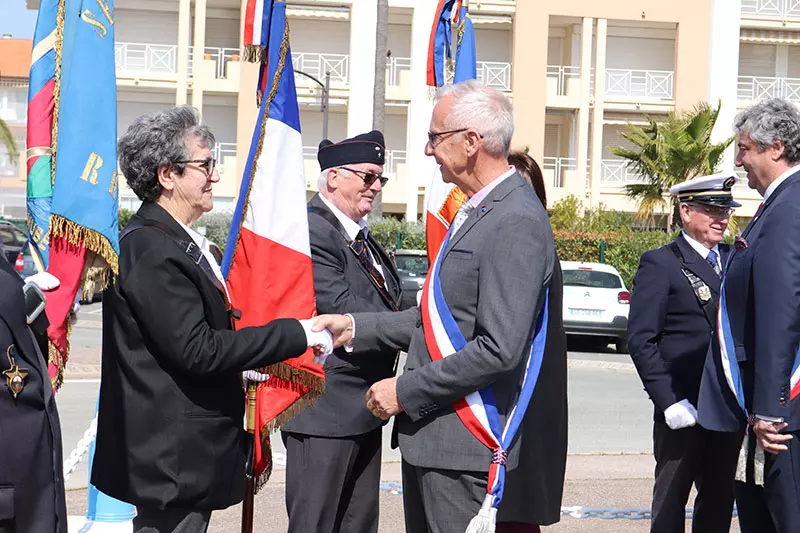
[337,442]
[673,315]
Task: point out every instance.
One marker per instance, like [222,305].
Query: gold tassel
[758,464]
[254,53]
[78,235]
[292,411]
[295,376]
[741,463]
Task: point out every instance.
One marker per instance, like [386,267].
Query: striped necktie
[461,215]
[712,260]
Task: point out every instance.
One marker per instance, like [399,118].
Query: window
[591,278]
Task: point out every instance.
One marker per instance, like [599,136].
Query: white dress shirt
[202,243]
[702,250]
[352,228]
[780,179]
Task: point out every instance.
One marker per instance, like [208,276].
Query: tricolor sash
[478,410]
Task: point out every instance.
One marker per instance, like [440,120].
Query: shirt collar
[350,226]
[699,248]
[780,179]
[478,197]
[198,239]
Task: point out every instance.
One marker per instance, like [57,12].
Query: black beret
[365,148]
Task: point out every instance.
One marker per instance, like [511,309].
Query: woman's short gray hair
[772,121]
[482,108]
[159,139]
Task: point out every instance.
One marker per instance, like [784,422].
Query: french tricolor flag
[267,260]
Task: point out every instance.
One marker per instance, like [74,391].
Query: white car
[596,303]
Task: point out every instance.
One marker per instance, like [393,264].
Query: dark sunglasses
[368,177]
[206,165]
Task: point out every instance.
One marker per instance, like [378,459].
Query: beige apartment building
[577,72]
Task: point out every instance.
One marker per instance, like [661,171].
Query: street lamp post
[325,97]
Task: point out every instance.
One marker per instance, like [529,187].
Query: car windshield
[591,278]
[415,265]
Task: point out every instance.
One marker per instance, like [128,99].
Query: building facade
[577,71]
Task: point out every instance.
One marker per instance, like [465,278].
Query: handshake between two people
[324,333]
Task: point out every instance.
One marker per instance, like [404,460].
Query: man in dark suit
[672,317]
[337,441]
[493,279]
[756,358]
[170,436]
[31,473]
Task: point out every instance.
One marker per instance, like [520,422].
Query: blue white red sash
[730,365]
[478,410]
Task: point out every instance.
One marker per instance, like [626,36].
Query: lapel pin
[15,376]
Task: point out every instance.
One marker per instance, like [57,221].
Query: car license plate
[585,312]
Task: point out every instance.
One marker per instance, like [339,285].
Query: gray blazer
[493,276]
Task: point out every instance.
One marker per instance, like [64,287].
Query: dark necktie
[712,260]
[360,247]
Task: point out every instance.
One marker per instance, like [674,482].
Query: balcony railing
[615,173]
[394,158]
[771,8]
[558,165]
[760,88]
[223,150]
[318,64]
[221,56]
[562,73]
[141,58]
[394,66]
[495,74]
[651,84]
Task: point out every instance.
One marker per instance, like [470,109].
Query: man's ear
[777,151]
[333,179]
[166,177]
[473,139]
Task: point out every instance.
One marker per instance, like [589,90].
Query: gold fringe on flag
[58,45]
[254,53]
[78,235]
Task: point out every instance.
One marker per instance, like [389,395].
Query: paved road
[609,413]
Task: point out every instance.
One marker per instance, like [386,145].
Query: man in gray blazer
[494,276]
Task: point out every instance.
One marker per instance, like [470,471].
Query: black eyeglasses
[713,210]
[206,165]
[435,137]
[368,177]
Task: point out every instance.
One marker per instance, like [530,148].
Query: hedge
[622,250]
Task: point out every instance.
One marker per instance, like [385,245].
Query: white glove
[255,375]
[44,280]
[681,415]
[318,338]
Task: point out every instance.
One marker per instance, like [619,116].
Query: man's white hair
[322,180]
[482,108]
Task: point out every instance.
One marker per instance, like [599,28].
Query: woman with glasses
[169,435]
[533,490]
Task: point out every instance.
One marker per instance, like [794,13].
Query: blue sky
[16,19]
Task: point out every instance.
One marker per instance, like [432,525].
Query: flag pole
[250,487]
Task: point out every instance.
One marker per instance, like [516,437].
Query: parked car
[412,267]
[24,263]
[596,303]
[12,239]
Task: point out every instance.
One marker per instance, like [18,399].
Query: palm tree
[7,140]
[668,153]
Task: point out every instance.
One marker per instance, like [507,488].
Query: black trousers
[151,520]
[775,507]
[696,456]
[332,484]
